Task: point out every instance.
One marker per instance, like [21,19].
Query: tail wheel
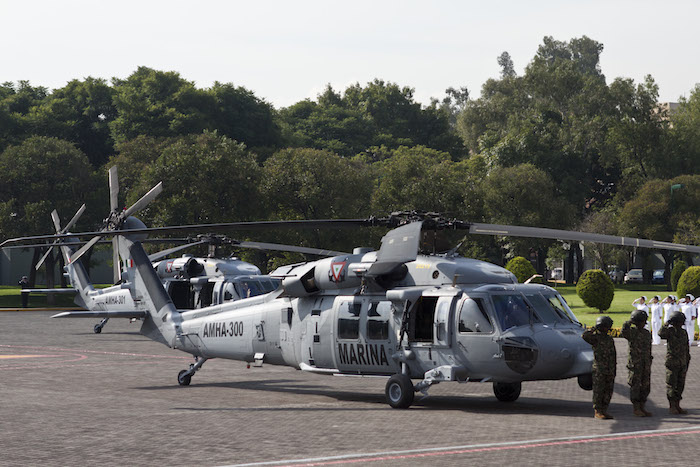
[97,329]
[399,391]
[507,392]
[183,379]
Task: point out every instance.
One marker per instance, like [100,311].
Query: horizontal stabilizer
[65,290]
[101,314]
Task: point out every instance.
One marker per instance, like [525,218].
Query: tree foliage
[522,268]
[689,282]
[596,289]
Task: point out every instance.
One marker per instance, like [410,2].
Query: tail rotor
[117,218]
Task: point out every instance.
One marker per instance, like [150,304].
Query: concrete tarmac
[72,397]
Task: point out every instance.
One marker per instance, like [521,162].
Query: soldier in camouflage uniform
[677,359]
[604,365]
[638,361]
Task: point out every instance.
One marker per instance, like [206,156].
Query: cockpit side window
[473,317]
[513,310]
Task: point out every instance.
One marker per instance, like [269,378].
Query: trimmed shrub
[689,283]
[677,272]
[596,289]
[522,268]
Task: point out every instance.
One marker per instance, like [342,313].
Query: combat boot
[646,412]
[638,412]
[678,407]
[673,408]
[602,415]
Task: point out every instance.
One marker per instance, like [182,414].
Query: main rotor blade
[169,251]
[233,226]
[46,255]
[113,189]
[145,199]
[84,249]
[75,218]
[537,232]
[56,221]
[291,248]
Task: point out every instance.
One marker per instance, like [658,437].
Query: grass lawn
[621,306]
[10,298]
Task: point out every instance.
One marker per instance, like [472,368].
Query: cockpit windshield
[512,310]
[559,304]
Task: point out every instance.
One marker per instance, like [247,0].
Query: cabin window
[422,316]
[513,311]
[349,320]
[180,294]
[378,321]
[473,317]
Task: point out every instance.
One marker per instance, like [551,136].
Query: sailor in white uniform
[641,304]
[670,306]
[691,314]
[656,308]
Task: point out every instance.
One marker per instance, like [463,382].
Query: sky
[287,51]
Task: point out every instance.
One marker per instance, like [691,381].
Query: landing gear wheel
[507,392]
[183,379]
[399,391]
[585,382]
[97,329]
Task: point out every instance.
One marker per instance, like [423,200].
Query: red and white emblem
[337,272]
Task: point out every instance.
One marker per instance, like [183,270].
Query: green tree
[304,183]
[636,135]
[206,178]
[522,268]
[689,282]
[424,179]
[157,103]
[678,269]
[16,102]
[37,176]
[596,289]
[684,134]
[378,114]
[79,112]
[240,115]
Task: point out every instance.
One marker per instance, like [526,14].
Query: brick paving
[72,397]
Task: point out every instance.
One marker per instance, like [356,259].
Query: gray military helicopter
[192,282]
[395,312]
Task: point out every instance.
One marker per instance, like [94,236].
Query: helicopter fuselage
[504,332]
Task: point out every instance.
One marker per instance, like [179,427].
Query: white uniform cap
[690,296]
[644,298]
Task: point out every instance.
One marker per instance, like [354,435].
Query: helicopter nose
[557,352]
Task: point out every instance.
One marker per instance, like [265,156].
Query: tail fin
[162,321]
[78,277]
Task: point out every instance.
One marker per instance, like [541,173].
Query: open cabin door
[430,320]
